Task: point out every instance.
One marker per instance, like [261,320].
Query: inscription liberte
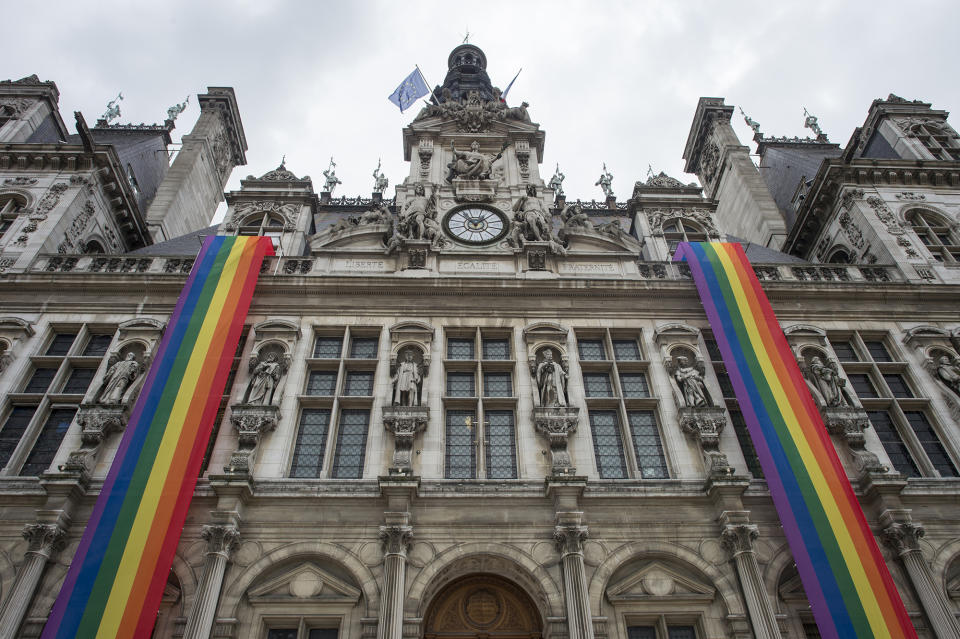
[363,265]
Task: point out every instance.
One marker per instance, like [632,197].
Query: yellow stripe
[861,581]
[130,562]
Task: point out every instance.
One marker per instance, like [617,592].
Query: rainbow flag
[847,582]
[117,576]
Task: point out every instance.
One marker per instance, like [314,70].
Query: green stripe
[100,593]
[814,506]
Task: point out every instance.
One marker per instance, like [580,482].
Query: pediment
[804,329]
[658,580]
[545,329]
[305,581]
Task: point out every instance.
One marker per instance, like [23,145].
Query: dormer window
[940,141]
[266,225]
[10,207]
[676,231]
[935,233]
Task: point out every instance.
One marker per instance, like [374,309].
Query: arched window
[839,256]
[935,234]
[10,207]
[940,141]
[266,225]
[680,230]
[93,247]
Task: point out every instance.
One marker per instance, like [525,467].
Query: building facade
[481,407]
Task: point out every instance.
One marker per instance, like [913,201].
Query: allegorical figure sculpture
[949,373]
[826,378]
[264,376]
[331,181]
[551,380]
[415,212]
[556,182]
[118,378]
[472,164]
[113,109]
[177,109]
[406,382]
[605,182]
[380,182]
[691,384]
[531,219]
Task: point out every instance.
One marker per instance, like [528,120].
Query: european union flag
[410,89]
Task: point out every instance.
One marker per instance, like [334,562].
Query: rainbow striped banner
[847,582]
[117,576]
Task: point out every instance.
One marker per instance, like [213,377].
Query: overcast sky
[613,82]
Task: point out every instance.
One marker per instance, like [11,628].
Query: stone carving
[709,162]
[178,265]
[472,113]
[704,424]
[331,180]
[396,539]
[14,108]
[221,540]
[280,174]
[537,260]
[569,538]
[113,109]
[44,539]
[605,182]
[266,369]
[810,122]
[825,382]
[71,242]
[851,229]
[406,381]
[251,422]
[519,113]
[885,214]
[664,181]
[425,154]
[20,180]
[948,371]
[417,258]
[119,377]
[770,273]
[418,221]
[44,206]
[551,378]
[177,109]
[704,218]
[5,355]
[903,536]
[848,423]
[911,125]
[405,422]
[739,538]
[556,182]
[472,164]
[380,214]
[531,223]
[380,182]
[909,195]
[557,423]
[689,380]
[97,422]
[613,229]
[753,124]
[574,218]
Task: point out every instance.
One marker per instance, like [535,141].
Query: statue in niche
[692,386]
[949,373]
[472,164]
[827,381]
[118,378]
[551,381]
[265,375]
[406,381]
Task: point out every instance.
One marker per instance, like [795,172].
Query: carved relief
[557,423]
[703,217]
[221,540]
[885,214]
[405,422]
[14,108]
[44,539]
[852,231]
[709,162]
[289,212]
[251,422]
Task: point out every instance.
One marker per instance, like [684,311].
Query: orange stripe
[818,439]
[176,473]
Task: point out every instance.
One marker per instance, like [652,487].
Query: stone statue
[113,109]
[810,122]
[519,113]
[949,373]
[380,182]
[332,180]
[406,382]
[556,182]
[574,218]
[612,228]
[690,381]
[416,210]
[753,124]
[377,215]
[606,181]
[531,220]
[264,376]
[827,380]
[118,378]
[551,381]
[472,164]
[177,109]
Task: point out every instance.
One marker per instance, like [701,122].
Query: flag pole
[427,83]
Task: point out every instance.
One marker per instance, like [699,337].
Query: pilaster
[738,535]
[45,540]
[569,535]
[221,540]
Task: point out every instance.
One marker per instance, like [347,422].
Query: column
[221,542]
[738,539]
[395,540]
[569,539]
[45,541]
[904,537]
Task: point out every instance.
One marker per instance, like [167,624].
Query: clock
[473,224]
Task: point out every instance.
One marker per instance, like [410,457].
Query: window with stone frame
[939,140]
[936,234]
[300,629]
[479,405]
[733,406]
[39,414]
[10,207]
[682,230]
[901,416]
[336,404]
[662,629]
[621,410]
[264,224]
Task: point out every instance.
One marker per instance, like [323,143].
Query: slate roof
[185,245]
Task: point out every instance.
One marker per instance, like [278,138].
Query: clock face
[475,225]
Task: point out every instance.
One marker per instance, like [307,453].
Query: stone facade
[414,456]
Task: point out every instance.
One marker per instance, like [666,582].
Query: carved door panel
[483,606]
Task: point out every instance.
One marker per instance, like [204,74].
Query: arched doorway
[482,605]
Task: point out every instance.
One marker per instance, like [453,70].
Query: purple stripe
[66,591]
